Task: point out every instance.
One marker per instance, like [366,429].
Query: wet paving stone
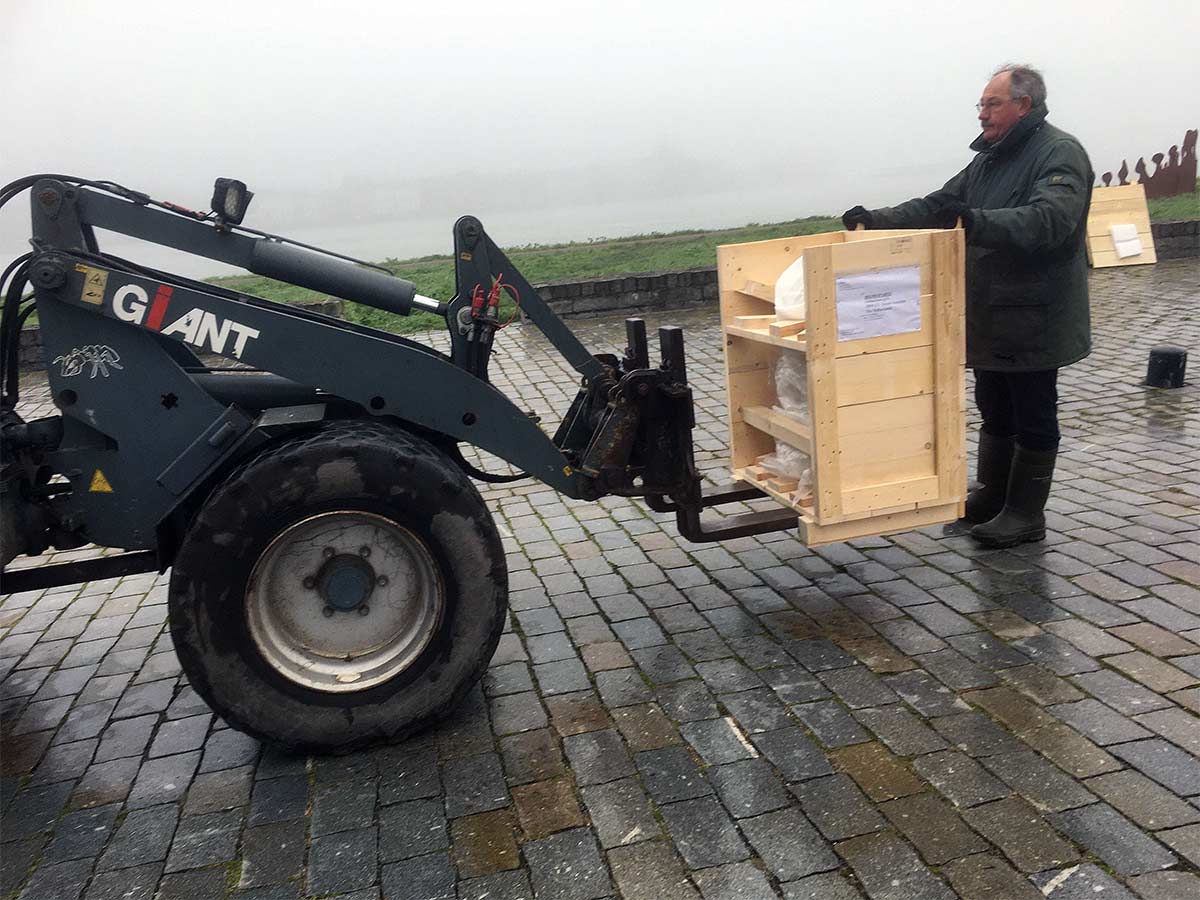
[1079,882]
[533,756]
[832,724]
[343,862]
[703,833]
[880,774]
[474,784]
[671,775]
[546,807]
[938,833]
[412,828]
[421,878]
[651,871]
[988,877]
[484,843]
[1165,763]
[620,813]
[748,787]
[568,866]
[963,780]
[837,807]
[890,870]
[1114,839]
[1021,833]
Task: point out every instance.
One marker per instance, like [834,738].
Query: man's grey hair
[1026,82]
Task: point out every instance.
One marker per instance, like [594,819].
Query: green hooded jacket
[1026,262]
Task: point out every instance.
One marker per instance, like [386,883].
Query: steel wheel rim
[301,601]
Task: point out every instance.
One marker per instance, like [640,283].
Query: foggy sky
[800,108]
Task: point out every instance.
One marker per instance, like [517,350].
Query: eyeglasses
[990,104]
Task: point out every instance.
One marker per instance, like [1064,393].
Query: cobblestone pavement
[904,717]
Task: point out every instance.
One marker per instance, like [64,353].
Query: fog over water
[368,127]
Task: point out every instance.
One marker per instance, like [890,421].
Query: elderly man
[1023,203]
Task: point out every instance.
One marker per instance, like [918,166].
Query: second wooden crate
[885,426]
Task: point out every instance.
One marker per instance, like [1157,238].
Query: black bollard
[1167,366]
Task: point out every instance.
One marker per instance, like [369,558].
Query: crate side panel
[822,381]
[949,352]
[884,376]
[886,441]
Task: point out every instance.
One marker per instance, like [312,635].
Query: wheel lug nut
[364,552]
[310,582]
[328,611]
[364,610]
[382,581]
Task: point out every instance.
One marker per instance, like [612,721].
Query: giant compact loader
[335,576]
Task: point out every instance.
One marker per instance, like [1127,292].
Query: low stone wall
[1176,240]
[645,292]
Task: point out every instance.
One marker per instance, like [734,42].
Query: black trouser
[1024,404]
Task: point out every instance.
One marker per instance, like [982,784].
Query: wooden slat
[868,377]
[796,342]
[909,249]
[782,328]
[754,322]
[896,493]
[891,440]
[822,380]
[779,425]
[1108,258]
[949,364]
[748,365]
[815,534]
[758,290]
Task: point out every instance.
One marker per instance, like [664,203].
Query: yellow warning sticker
[94,281]
[100,484]
[567,471]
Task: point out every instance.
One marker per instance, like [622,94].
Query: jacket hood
[1032,122]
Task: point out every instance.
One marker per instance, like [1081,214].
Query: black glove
[856,216]
[948,216]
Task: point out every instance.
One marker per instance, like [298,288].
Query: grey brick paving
[729,722]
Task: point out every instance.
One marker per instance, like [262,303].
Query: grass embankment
[1171,209]
[434,275]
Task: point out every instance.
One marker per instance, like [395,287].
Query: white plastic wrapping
[789,292]
[791,387]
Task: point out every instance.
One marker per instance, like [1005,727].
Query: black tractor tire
[361,472]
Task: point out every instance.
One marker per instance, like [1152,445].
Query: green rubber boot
[992,468]
[1023,517]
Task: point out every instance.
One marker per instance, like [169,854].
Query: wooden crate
[885,430]
[1121,205]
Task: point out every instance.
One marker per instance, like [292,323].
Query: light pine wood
[1121,205]
[949,331]
[758,291]
[867,377]
[815,534]
[795,342]
[754,322]
[822,380]
[779,425]
[783,328]
[885,431]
